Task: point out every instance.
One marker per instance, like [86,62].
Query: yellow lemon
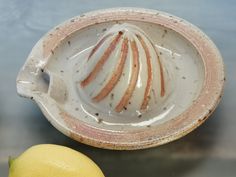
[49,160]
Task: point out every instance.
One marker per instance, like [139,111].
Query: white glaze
[193,77]
[134,105]
[179,57]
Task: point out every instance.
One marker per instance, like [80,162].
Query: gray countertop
[210,150]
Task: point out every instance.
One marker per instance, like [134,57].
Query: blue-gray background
[208,151]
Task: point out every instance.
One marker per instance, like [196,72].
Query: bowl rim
[173,129]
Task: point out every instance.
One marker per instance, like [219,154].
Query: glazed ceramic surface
[124,78]
[124,56]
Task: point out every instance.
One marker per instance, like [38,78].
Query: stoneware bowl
[124,78]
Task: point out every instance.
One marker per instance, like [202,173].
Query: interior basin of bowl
[179,56]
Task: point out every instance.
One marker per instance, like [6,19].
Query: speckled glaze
[80,71]
[123,73]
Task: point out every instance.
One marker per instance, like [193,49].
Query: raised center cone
[123,72]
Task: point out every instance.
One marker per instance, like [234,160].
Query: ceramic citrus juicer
[124,78]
